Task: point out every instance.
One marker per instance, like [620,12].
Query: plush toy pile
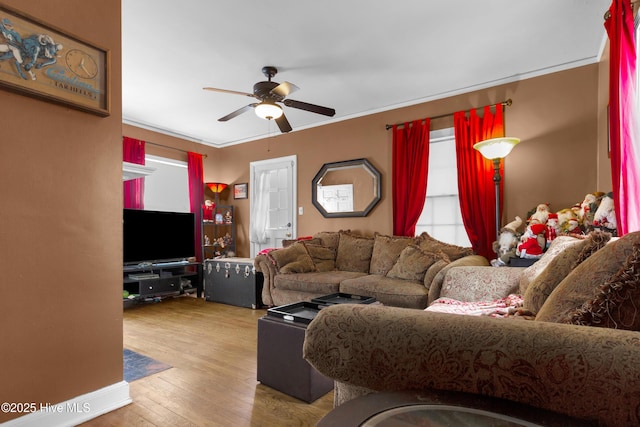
[595,212]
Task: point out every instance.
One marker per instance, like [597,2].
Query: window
[441,216]
[167,188]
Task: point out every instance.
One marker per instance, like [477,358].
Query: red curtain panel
[623,127]
[133,189]
[475,176]
[410,166]
[196,196]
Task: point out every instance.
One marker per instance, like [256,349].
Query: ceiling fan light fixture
[268,110]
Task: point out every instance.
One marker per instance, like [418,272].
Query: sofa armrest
[468,261]
[264,265]
[481,283]
[584,372]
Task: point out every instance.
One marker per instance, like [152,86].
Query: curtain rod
[173,148]
[506,103]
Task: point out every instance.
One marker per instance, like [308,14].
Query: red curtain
[475,177]
[133,189]
[623,129]
[410,165]
[196,196]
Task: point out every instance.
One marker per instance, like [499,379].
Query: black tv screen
[154,236]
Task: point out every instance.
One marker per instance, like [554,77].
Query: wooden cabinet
[219,233]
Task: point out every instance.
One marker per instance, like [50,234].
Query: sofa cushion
[293,259]
[324,283]
[388,291]
[412,264]
[386,250]
[354,253]
[581,284]
[429,244]
[615,304]
[324,258]
[557,269]
[480,283]
[330,239]
[558,245]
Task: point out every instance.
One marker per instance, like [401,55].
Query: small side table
[280,362]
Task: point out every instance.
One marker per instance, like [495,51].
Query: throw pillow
[581,284]
[558,245]
[386,250]
[556,270]
[453,252]
[323,258]
[559,267]
[354,253]
[412,264]
[617,304]
[293,259]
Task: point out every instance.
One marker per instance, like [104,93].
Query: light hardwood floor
[212,350]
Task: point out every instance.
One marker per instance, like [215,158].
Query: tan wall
[557,116]
[61,227]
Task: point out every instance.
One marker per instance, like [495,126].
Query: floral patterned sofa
[573,347]
[397,271]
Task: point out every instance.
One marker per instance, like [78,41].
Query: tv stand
[152,280]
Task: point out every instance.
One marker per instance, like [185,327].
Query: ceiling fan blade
[309,107]
[237,112]
[233,92]
[283,124]
[284,89]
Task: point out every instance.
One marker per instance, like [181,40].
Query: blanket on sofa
[502,307]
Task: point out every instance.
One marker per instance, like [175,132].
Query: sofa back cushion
[329,239]
[323,258]
[615,304]
[386,250]
[582,283]
[412,264]
[354,252]
[556,270]
[453,252]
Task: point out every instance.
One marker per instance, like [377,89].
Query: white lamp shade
[268,111]
[496,148]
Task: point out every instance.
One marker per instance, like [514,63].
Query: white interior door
[273,202]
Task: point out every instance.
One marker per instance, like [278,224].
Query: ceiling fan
[269,94]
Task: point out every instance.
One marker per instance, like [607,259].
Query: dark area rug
[138,366]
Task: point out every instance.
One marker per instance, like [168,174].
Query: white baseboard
[77,410]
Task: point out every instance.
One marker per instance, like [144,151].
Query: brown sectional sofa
[397,271]
[573,348]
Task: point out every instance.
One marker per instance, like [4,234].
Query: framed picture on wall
[241,191]
[49,63]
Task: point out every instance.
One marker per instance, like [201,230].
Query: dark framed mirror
[346,189]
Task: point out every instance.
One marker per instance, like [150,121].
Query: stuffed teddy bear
[505,246]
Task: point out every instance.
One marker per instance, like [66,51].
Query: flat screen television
[155,236]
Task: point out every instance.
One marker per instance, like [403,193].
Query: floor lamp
[496,149]
[216,188]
